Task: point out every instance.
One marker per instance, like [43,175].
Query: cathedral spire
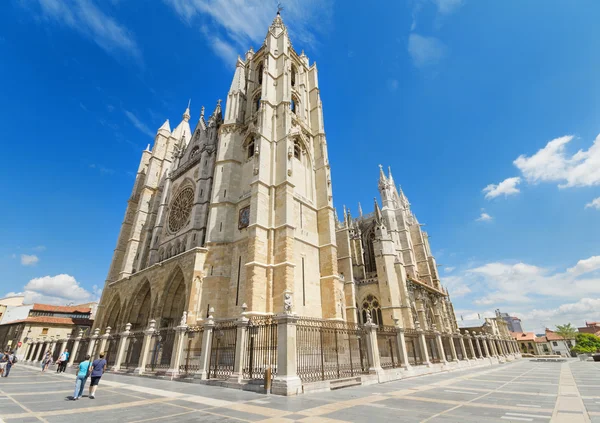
[165,127]
[216,116]
[360,212]
[186,115]
[378,217]
[183,131]
[390,177]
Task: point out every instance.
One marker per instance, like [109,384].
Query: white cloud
[506,187]
[29,260]
[39,248]
[594,204]
[425,51]
[484,217]
[139,124]
[59,289]
[85,17]
[449,269]
[235,25]
[102,169]
[553,164]
[445,7]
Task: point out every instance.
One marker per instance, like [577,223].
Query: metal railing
[112,347]
[163,341]
[446,339]
[133,350]
[413,349]
[387,341]
[432,349]
[82,350]
[329,350]
[222,351]
[192,350]
[261,351]
[458,347]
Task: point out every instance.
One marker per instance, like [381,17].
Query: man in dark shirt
[98,369]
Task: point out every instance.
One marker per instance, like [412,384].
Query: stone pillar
[452,348]
[485,345]
[461,340]
[373,349]
[440,345]
[93,341]
[103,341]
[401,342]
[423,347]
[178,344]
[287,381]
[209,326]
[53,345]
[121,348]
[478,344]
[240,347]
[141,368]
[75,348]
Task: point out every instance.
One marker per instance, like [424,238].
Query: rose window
[181,208]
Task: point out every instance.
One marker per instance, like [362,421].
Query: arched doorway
[139,313]
[174,303]
[113,315]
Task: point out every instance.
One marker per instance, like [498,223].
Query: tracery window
[181,209]
[257,103]
[297,150]
[194,152]
[251,149]
[293,106]
[293,76]
[371,303]
[369,254]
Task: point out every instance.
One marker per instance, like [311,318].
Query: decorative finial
[202,112]
[279,8]
[360,212]
[189,103]
[219,102]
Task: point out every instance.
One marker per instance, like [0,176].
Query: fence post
[121,348]
[485,345]
[440,344]
[93,341]
[373,348]
[472,339]
[452,347]
[209,326]
[75,348]
[173,372]
[287,381]
[240,346]
[103,340]
[401,341]
[461,340]
[141,368]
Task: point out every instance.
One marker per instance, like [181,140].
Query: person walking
[98,369]
[81,378]
[62,362]
[3,361]
[11,361]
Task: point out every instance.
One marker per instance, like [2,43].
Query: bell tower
[271,224]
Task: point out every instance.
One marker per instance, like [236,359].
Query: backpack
[14,360]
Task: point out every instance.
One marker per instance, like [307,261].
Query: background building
[514,323]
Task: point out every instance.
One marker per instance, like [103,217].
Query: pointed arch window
[250,151]
[260,69]
[372,304]
[293,76]
[257,103]
[293,106]
[297,150]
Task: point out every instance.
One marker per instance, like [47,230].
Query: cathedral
[237,214]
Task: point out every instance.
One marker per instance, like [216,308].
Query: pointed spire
[348,216]
[148,147]
[378,217]
[216,115]
[186,115]
[335,215]
[165,126]
[360,212]
[390,177]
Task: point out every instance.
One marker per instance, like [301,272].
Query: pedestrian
[62,362]
[11,361]
[46,361]
[3,361]
[98,369]
[81,378]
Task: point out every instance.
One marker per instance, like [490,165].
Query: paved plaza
[519,391]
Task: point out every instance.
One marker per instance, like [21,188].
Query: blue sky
[487,113]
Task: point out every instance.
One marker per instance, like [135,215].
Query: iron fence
[82,350]
[192,350]
[413,349]
[460,354]
[163,341]
[261,351]
[387,341]
[432,349]
[134,349]
[57,349]
[112,348]
[330,350]
[446,339]
[222,351]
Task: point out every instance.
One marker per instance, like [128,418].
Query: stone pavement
[521,391]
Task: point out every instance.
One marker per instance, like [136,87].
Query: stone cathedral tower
[239,211]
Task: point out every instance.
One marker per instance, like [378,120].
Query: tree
[586,343]
[566,331]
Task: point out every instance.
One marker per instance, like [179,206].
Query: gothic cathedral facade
[233,215]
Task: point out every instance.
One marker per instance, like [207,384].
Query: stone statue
[369,318]
[287,302]
[183,319]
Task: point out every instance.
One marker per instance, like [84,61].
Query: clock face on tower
[244,219]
